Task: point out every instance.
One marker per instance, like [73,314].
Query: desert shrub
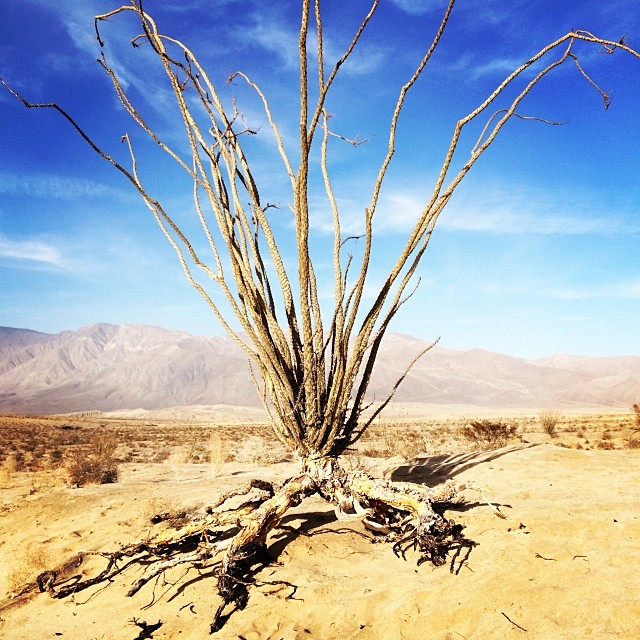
[633,442]
[549,421]
[18,463]
[408,444]
[105,445]
[217,455]
[7,469]
[605,444]
[636,411]
[374,443]
[394,439]
[257,450]
[96,466]
[190,451]
[26,567]
[11,464]
[488,434]
[161,455]
[372,451]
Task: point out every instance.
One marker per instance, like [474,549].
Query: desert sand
[562,564]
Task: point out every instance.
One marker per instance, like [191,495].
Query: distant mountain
[107,367]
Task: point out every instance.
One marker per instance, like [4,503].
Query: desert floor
[562,564]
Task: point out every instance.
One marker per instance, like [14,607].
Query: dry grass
[395,438]
[27,567]
[7,470]
[37,453]
[488,433]
[95,466]
[217,455]
[261,450]
[549,422]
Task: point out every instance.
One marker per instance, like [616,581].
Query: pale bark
[314,372]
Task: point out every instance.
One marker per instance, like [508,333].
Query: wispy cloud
[281,39]
[273,35]
[79,253]
[507,221]
[31,250]
[365,59]
[627,290]
[476,69]
[497,210]
[419,7]
[53,186]
[194,5]
[77,19]
[515,209]
[487,12]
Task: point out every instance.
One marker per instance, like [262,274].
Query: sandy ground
[563,564]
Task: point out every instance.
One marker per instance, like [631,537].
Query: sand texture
[563,564]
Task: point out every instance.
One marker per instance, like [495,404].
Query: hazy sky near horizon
[538,252]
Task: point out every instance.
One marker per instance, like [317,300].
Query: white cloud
[272,35]
[51,186]
[475,13]
[509,221]
[77,19]
[281,39]
[497,209]
[419,7]
[31,250]
[628,290]
[517,210]
[497,67]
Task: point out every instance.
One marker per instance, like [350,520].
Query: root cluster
[232,541]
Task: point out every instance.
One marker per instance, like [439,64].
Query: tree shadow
[309,524]
[434,470]
[429,471]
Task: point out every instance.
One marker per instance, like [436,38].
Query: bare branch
[312,378]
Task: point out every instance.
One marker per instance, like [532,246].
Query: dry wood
[312,374]
[230,542]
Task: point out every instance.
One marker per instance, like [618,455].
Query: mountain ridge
[109,367]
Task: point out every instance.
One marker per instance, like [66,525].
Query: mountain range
[105,367]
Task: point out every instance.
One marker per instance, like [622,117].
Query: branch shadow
[429,471]
[308,524]
[434,470]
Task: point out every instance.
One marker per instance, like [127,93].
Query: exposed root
[233,541]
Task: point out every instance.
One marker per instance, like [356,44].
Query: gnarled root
[234,539]
[250,541]
[399,512]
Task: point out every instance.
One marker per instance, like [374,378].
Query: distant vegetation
[549,421]
[97,465]
[488,434]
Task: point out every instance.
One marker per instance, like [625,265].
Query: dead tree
[311,371]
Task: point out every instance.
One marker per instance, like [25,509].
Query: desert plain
[561,563]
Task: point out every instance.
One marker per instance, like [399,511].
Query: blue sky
[536,254]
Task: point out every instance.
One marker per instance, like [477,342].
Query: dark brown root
[435,542]
[234,541]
